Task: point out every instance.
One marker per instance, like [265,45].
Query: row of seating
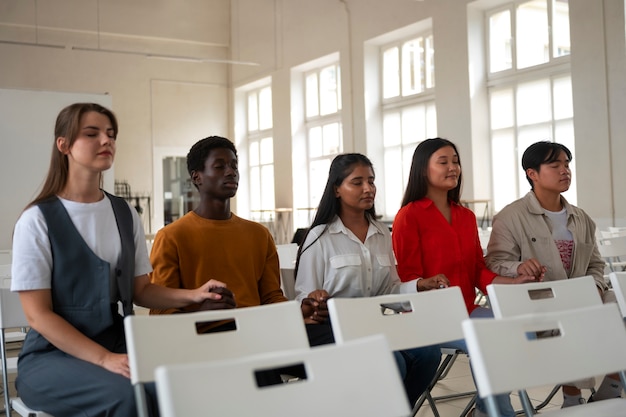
[272,338]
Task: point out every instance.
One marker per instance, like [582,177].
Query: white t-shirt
[563,238]
[31,267]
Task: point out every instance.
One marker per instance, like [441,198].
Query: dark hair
[67,126]
[417,187]
[199,152]
[543,152]
[329,205]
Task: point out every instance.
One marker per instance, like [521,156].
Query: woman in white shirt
[347,253]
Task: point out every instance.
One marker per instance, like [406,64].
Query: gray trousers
[65,386]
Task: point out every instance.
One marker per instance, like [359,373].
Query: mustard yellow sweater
[242,254]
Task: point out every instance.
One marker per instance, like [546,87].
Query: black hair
[329,205]
[199,152]
[417,186]
[543,152]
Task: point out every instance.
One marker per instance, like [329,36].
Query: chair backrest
[359,378]
[424,318]
[287,254]
[612,247]
[518,361]
[173,339]
[618,282]
[541,297]
[11,313]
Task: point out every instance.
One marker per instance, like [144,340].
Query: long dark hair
[67,126]
[417,187]
[329,205]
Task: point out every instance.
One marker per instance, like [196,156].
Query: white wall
[27,135]
[158,102]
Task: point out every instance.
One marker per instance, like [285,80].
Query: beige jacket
[522,231]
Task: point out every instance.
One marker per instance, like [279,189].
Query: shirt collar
[337,226]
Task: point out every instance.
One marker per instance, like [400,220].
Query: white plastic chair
[173,339]
[618,282]
[12,316]
[518,362]
[613,249]
[359,378]
[543,297]
[287,254]
[353,318]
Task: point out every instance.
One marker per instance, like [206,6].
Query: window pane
[412,58]
[560,28]
[253,113]
[267,151]
[391,73]
[407,159]
[267,184]
[500,57]
[533,102]
[391,129]
[328,90]
[265,108]
[505,168]
[429,68]
[312,104]
[563,105]
[255,188]
[254,153]
[315,142]
[431,121]
[526,137]
[413,124]
[332,139]
[393,181]
[318,177]
[532,33]
[502,108]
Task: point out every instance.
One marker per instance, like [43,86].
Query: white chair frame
[12,316]
[513,300]
[337,384]
[618,282]
[172,339]
[353,318]
[527,361]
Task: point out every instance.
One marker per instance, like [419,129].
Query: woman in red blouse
[435,238]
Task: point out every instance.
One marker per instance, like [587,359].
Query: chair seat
[615,407]
[11,365]
[23,410]
[12,337]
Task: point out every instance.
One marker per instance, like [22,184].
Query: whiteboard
[27,120]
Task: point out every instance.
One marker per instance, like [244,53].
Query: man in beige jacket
[543,235]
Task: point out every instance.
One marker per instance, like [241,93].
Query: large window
[323,125]
[260,153]
[409,114]
[529,88]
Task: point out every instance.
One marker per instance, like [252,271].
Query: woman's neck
[356,222]
[440,199]
[82,191]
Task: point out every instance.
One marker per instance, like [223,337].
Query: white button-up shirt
[335,260]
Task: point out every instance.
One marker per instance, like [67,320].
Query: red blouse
[425,244]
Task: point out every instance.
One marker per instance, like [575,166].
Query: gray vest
[80,279]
